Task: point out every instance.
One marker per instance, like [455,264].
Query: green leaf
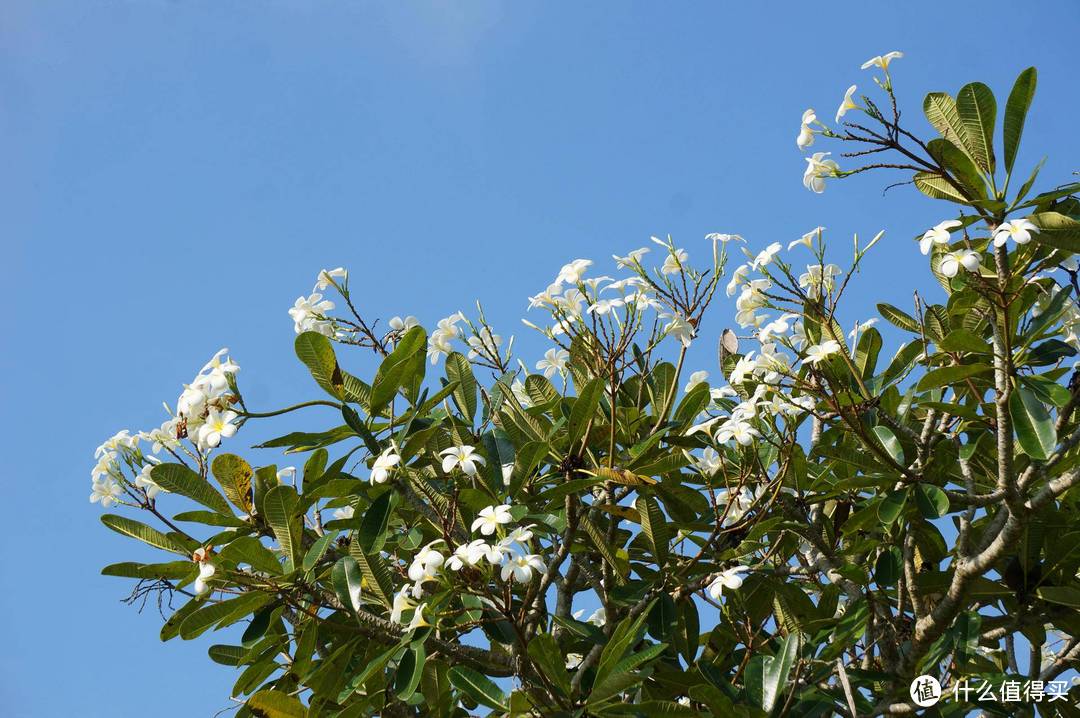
[275,704]
[932,502]
[584,409]
[941,110]
[978,110]
[936,186]
[458,369]
[545,653]
[347,579]
[372,533]
[318,550]
[374,568]
[1062,595]
[249,550]
[398,369]
[891,444]
[354,422]
[234,474]
[409,671]
[1057,230]
[887,567]
[179,479]
[280,509]
[891,506]
[317,354]
[947,376]
[961,340]
[898,317]
[654,527]
[478,687]
[173,570]
[223,613]
[961,166]
[1016,109]
[227,655]
[775,671]
[144,533]
[1034,428]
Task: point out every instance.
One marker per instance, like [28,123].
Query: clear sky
[174,174]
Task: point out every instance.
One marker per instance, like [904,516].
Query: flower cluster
[203,415]
[311,313]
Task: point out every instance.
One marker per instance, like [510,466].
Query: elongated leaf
[1033,425]
[478,687]
[890,442]
[935,186]
[249,550]
[654,527]
[950,375]
[933,503]
[409,671]
[398,369]
[458,369]
[280,510]
[174,570]
[224,612]
[317,354]
[544,651]
[318,550]
[1016,109]
[144,533]
[374,568]
[961,166]
[347,579]
[234,474]
[227,655]
[775,671]
[181,480]
[372,533]
[584,409]
[275,704]
[1057,230]
[898,317]
[978,110]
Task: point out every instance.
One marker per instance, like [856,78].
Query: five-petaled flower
[882,61]
[847,104]
[817,352]
[817,170]
[1019,230]
[730,579]
[522,566]
[380,470]
[491,518]
[806,135]
[940,233]
[951,262]
[463,457]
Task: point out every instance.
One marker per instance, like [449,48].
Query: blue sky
[175,173]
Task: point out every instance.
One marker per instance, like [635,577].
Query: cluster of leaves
[921,518]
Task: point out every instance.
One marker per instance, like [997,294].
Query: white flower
[604,306]
[938,234]
[847,104]
[698,377]
[206,572]
[882,61]
[573,272]
[817,170]
[491,518]
[418,620]
[737,277]
[507,473]
[521,567]
[573,660]
[402,603]
[425,565]
[484,344]
[818,277]
[288,472]
[554,361]
[308,315]
[144,481]
[597,617]
[806,135]
[464,457]
[218,426]
[739,431]
[344,513]
[729,579]
[777,326]
[853,335]
[401,326]
[807,240]
[724,238]
[521,393]
[522,535]
[766,256]
[679,328]
[951,262]
[1020,230]
[817,352]
[631,260]
[469,554]
[674,261]
[106,490]
[709,462]
[380,470]
[327,276]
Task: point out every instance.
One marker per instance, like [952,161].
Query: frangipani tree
[611,534]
